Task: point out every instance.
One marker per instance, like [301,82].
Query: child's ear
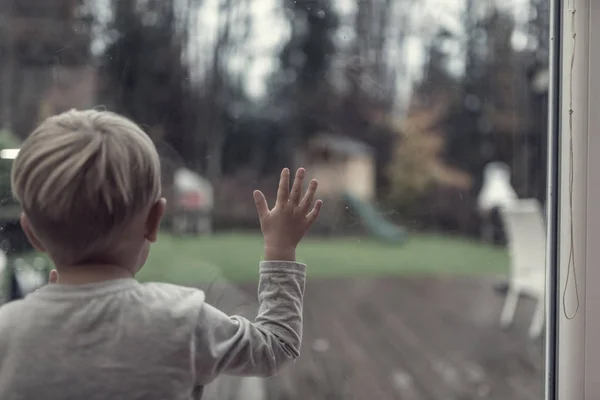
[154,217]
[35,242]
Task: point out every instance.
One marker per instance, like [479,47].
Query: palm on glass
[285,225]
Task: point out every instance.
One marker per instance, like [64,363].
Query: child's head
[89,185]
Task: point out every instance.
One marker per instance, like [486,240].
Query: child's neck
[91,273]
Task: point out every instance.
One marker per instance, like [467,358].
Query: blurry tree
[538,28]
[222,93]
[301,89]
[37,37]
[418,164]
[144,73]
[491,117]
[347,86]
[160,72]
[370,68]
[480,115]
[370,73]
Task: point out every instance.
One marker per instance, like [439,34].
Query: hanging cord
[571,264]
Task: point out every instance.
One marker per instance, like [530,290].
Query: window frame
[572,354]
[553,201]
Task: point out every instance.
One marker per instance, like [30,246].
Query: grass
[235,256]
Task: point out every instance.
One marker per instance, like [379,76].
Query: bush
[419,176]
[411,171]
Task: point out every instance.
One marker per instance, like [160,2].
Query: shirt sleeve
[236,346]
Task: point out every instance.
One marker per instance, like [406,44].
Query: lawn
[235,256]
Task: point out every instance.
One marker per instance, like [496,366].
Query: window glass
[424,122]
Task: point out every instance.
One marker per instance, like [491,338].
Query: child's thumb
[53,276]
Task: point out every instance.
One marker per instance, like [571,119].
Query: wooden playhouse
[345,169]
[341,165]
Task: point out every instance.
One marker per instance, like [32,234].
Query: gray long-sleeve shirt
[126,340]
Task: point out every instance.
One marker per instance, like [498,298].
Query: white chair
[524,226]
[496,190]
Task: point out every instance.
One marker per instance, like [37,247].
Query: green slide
[375,223]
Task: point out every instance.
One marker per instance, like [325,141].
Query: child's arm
[234,345]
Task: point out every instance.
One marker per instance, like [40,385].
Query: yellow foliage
[417,164]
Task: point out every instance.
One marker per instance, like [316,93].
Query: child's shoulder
[12,309]
[169,291]
[15,314]
[163,306]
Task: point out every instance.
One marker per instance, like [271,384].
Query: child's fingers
[283,192]
[53,278]
[261,204]
[309,195]
[312,216]
[297,186]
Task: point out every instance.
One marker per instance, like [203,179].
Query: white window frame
[573,344]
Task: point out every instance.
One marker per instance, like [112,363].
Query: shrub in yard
[419,175]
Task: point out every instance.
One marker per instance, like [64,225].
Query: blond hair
[83,175]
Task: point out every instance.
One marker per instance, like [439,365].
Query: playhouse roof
[341,144]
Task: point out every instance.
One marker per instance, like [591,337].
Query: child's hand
[284,226]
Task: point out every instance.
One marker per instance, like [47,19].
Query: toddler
[89,186]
